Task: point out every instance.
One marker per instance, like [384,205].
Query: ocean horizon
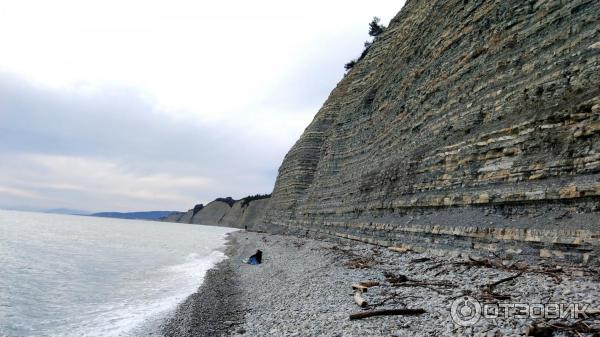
[66,275]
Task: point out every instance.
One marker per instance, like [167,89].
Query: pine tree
[375,28]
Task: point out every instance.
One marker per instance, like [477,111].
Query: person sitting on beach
[256,258]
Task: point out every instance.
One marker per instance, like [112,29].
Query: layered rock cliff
[225,212]
[469,125]
[466,124]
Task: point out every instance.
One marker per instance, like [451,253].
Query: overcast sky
[157,105]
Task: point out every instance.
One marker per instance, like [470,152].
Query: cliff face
[467,123]
[219,213]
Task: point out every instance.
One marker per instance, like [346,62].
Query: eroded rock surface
[473,108]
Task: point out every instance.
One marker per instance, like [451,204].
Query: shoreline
[213,309]
[302,288]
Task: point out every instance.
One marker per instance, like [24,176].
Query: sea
[65,275]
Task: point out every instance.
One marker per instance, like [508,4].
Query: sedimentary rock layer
[473,108]
[220,213]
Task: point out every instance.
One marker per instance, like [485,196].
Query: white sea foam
[126,318]
[80,276]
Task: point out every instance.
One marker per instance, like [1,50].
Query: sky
[129,105]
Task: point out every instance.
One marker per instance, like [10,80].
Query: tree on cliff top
[375,28]
[349,65]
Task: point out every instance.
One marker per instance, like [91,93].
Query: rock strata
[464,108]
[469,126]
[225,212]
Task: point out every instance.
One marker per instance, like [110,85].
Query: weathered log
[386,312]
[399,249]
[359,299]
[369,284]
[360,287]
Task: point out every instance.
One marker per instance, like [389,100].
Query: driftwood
[399,249]
[390,297]
[359,287]
[519,267]
[360,301]
[369,284]
[490,287]
[403,281]
[393,278]
[386,312]
[570,329]
[364,286]
[487,290]
[429,285]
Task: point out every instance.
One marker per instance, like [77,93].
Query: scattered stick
[435,266]
[364,286]
[369,284]
[394,279]
[428,285]
[360,301]
[403,281]
[571,329]
[393,296]
[386,312]
[592,312]
[399,249]
[422,259]
[490,287]
[417,283]
[359,287]
[498,264]
[487,290]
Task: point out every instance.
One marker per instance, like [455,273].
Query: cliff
[225,212]
[469,124]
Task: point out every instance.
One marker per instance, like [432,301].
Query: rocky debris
[303,288]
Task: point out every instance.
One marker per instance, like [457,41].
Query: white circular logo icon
[465,311]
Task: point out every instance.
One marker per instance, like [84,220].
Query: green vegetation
[229,201]
[375,29]
[197,208]
[246,201]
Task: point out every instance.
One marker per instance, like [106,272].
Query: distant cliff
[242,213]
[149,215]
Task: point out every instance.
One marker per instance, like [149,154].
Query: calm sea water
[66,275]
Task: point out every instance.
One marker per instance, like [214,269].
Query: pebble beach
[304,288]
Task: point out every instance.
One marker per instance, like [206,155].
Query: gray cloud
[115,148]
[119,131]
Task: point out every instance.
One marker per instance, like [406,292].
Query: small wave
[159,297]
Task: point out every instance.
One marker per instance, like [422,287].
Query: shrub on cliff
[246,201]
[229,200]
[375,29]
[198,208]
[349,65]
